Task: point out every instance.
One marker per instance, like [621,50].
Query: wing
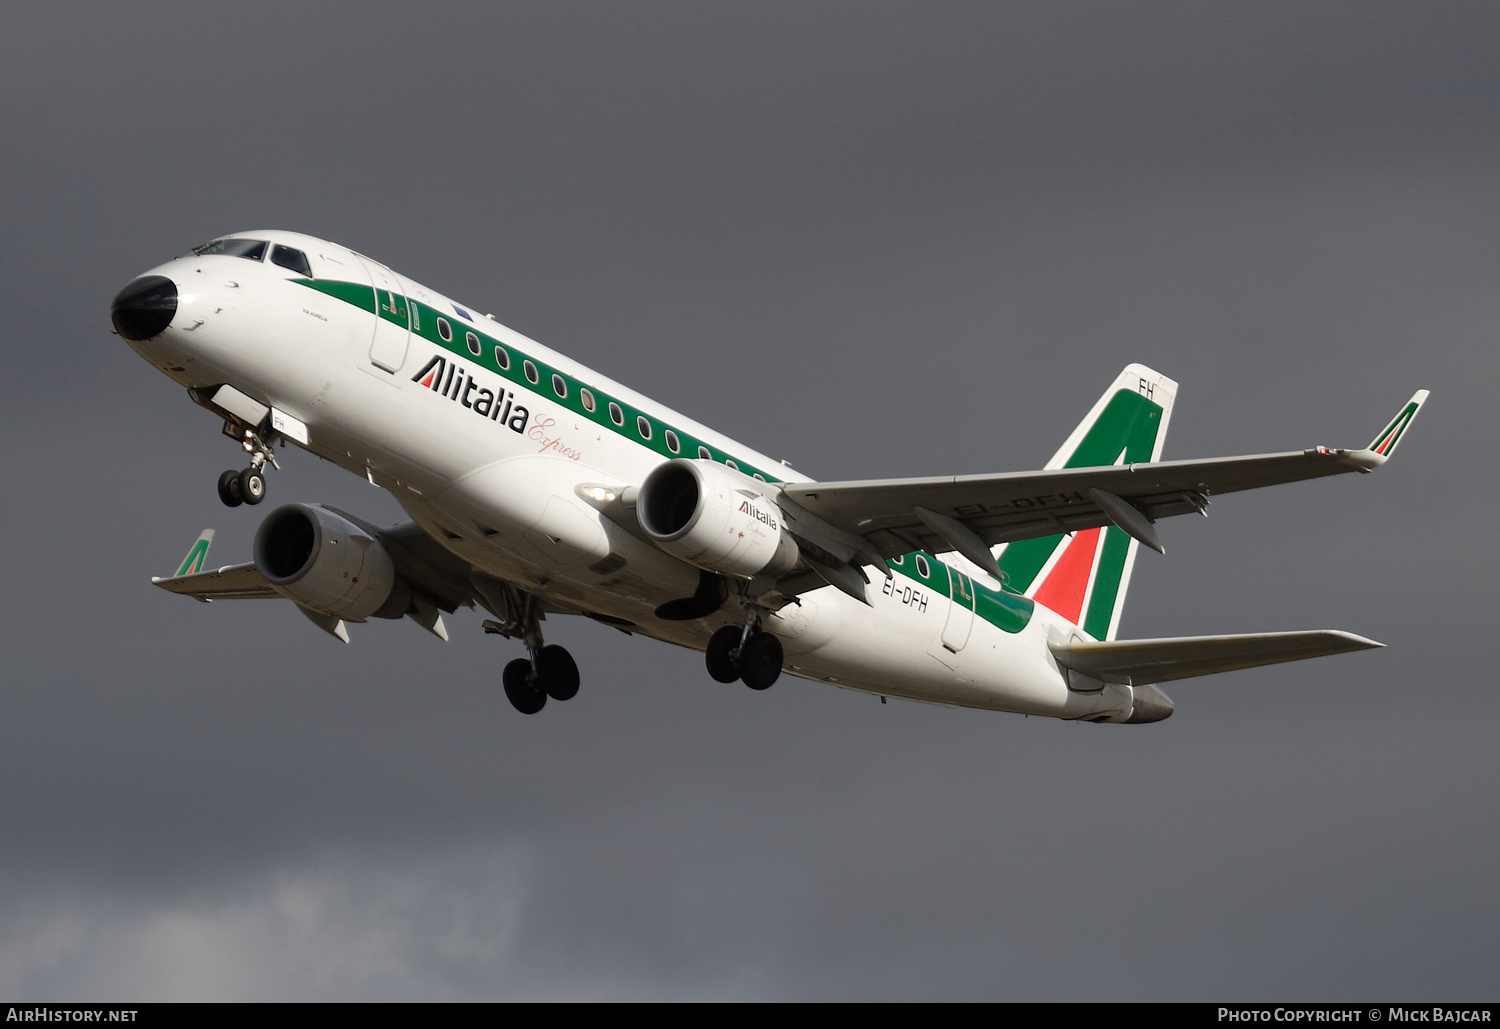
[232,582]
[972,513]
[439,581]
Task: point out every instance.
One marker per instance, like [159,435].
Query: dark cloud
[875,239]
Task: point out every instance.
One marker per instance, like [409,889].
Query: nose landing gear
[248,486]
[243,487]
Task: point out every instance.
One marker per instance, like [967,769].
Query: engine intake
[716,518]
[324,562]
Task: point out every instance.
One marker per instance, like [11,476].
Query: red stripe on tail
[1065,585]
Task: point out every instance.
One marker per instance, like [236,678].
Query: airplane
[538,487]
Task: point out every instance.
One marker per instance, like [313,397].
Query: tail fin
[1083,576]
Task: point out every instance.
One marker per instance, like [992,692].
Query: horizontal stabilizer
[1137,662]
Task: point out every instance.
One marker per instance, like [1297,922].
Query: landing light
[601,494]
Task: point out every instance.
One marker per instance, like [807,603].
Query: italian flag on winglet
[1083,577]
[198,556]
[1385,443]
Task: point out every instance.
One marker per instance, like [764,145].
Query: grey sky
[875,239]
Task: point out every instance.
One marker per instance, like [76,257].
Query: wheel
[760,660]
[557,673]
[524,694]
[252,486]
[229,489]
[718,655]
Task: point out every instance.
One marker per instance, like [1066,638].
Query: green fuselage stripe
[422,321]
[1003,610]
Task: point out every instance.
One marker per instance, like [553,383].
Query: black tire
[229,489]
[252,486]
[721,665]
[524,694]
[760,660]
[557,673]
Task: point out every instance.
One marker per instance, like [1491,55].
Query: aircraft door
[392,320]
[960,611]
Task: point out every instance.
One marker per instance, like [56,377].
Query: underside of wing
[232,582]
[1138,662]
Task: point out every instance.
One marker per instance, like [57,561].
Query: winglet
[1383,445]
[197,557]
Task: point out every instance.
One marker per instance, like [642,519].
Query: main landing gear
[744,653]
[550,671]
[248,486]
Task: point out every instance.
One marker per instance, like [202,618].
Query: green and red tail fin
[1385,443]
[197,557]
[1083,576]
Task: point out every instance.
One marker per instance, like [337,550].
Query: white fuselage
[498,485]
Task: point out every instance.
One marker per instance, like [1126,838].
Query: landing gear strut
[248,486]
[744,653]
[550,671]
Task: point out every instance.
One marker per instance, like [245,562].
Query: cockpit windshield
[250,249]
[292,260]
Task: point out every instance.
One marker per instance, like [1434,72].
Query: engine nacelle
[329,564]
[716,518]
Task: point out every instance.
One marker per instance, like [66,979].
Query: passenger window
[922,568]
[531,373]
[445,330]
[672,443]
[731,464]
[473,342]
[588,400]
[291,260]
[615,414]
[643,426]
[502,358]
[704,455]
[559,386]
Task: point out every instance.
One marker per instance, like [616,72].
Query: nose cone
[144,309]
